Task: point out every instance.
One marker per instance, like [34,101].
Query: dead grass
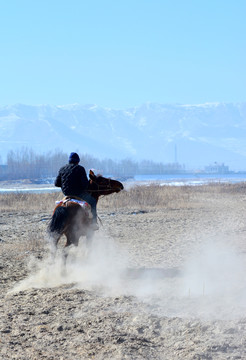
[138,197]
[28,202]
[156,196]
[153,196]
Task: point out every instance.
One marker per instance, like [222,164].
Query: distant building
[217,169]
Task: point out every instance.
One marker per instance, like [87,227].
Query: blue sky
[122,53]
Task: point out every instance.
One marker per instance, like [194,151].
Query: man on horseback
[73,181]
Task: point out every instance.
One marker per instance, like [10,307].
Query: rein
[107,187]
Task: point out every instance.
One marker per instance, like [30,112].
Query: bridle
[106,187]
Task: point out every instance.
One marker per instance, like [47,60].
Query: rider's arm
[58,180]
[83,178]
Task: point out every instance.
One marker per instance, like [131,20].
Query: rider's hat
[74,158]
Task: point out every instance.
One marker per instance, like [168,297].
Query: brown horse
[74,219]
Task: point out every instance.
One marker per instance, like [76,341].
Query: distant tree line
[26,164]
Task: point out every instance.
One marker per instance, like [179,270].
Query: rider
[73,181]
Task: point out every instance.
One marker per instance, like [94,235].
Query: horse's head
[100,185]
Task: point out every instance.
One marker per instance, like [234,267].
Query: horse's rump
[69,213]
[59,219]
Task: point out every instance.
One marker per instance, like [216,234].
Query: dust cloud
[210,284]
[99,266]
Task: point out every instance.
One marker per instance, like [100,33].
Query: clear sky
[122,53]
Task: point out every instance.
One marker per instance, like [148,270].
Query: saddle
[77,200]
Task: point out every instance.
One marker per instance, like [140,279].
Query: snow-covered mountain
[194,135]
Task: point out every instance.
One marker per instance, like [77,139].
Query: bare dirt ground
[164,282]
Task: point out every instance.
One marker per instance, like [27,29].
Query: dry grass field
[163,279]
[138,196]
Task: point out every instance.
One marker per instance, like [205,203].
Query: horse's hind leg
[65,253]
[72,238]
[54,237]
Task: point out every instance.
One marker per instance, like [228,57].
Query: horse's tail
[58,220]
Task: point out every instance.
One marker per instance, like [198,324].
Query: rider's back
[72,179]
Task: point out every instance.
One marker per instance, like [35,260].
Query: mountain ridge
[194,135]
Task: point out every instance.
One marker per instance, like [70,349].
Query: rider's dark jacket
[72,179]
